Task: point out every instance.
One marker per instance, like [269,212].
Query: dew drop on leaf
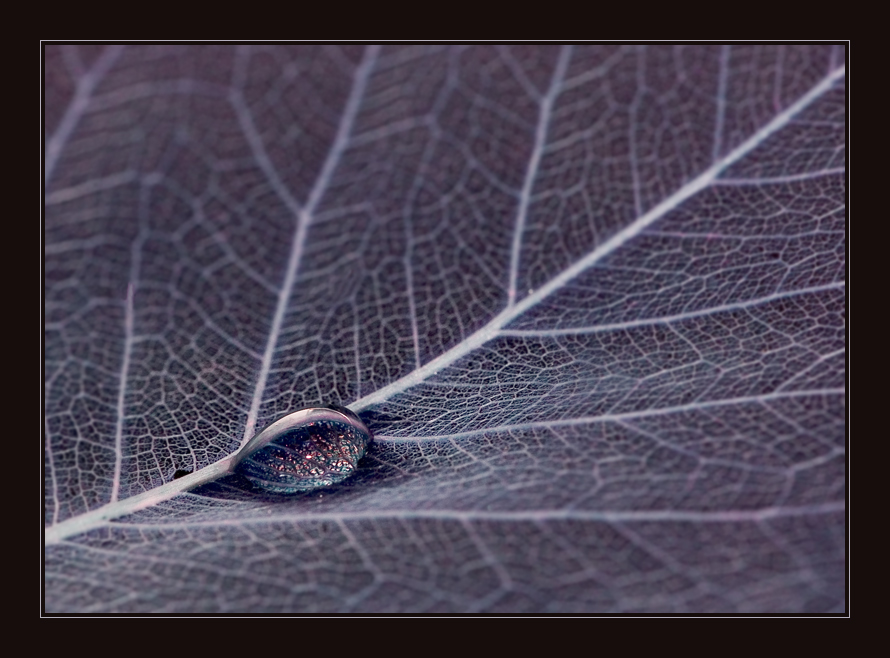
[310,448]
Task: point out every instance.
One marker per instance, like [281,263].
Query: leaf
[590,299]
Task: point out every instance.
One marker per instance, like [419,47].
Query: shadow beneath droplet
[371,472]
[381,422]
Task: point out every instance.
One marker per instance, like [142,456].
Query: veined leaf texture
[589,299]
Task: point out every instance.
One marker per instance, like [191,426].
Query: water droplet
[310,448]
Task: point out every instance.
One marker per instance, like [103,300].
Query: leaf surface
[591,300]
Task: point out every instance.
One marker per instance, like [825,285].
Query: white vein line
[531,516]
[632,133]
[367,561]
[721,101]
[100,516]
[773,180]
[679,317]
[121,394]
[693,187]
[303,215]
[408,267]
[140,90]
[599,71]
[490,560]
[777,79]
[90,187]
[52,468]
[412,303]
[355,347]
[71,59]
[618,417]
[534,162]
[77,107]
[407,213]
[517,72]
[389,130]
[834,53]
[654,551]
[362,75]
[815,364]
[78,244]
[237,261]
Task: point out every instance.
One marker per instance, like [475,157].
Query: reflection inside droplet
[310,448]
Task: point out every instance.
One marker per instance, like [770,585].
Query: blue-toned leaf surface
[591,301]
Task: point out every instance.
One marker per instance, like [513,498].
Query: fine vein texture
[590,300]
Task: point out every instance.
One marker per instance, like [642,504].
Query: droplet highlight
[310,448]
